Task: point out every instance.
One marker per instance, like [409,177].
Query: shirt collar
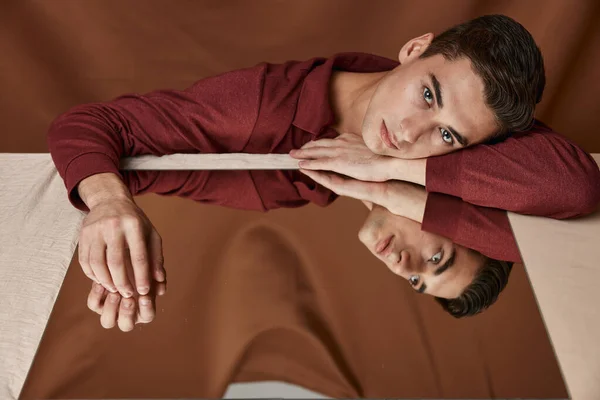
[314,113]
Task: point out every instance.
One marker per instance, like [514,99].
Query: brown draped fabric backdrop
[291,294]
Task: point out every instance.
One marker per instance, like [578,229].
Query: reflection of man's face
[432,264]
[427,107]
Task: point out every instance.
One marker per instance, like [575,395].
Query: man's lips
[386,137]
[383,244]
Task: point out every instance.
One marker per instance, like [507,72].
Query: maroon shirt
[273,108]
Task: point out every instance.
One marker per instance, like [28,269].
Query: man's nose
[407,264]
[413,128]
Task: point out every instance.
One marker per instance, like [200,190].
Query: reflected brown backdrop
[281,296]
[289,295]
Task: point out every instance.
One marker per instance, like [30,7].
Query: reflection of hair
[482,292]
[504,54]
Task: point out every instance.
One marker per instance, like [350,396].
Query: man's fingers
[127,314]
[156,257]
[98,264]
[115,255]
[161,288]
[317,143]
[369,191]
[321,178]
[138,251]
[116,310]
[317,152]
[146,309]
[84,257]
[326,164]
[110,310]
[96,298]
[344,139]
[147,303]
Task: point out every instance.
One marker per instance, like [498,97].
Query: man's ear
[414,47]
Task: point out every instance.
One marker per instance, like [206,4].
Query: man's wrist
[101,187]
[405,199]
[408,170]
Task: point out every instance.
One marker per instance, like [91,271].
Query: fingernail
[127,304]
[127,294]
[144,302]
[161,275]
[114,299]
[112,289]
[143,290]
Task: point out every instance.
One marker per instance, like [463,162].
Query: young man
[488,75]
[462,280]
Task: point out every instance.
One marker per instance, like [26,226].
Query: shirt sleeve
[215,115]
[537,172]
[486,230]
[256,190]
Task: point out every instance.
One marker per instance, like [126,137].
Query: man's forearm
[101,187]
[409,170]
[405,199]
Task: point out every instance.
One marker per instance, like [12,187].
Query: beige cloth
[561,259]
[38,236]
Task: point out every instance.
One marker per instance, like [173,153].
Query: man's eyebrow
[460,138]
[437,89]
[447,264]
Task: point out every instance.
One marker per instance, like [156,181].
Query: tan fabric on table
[562,262]
[38,234]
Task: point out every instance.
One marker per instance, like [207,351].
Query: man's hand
[118,246]
[372,192]
[116,310]
[348,155]
[400,198]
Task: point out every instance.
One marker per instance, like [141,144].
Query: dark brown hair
[490,280]
[504,54]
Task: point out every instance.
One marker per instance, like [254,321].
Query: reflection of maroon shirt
[273,108]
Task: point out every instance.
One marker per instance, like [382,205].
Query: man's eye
[446,136]
[427,95]
[436,258]
[414,280]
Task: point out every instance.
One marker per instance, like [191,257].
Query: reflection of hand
[348,155]
[373,192]
[124,312]
[400,198]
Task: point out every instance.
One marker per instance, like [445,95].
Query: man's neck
[350,94]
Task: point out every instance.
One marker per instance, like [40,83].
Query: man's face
[427,107]
[431,264]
